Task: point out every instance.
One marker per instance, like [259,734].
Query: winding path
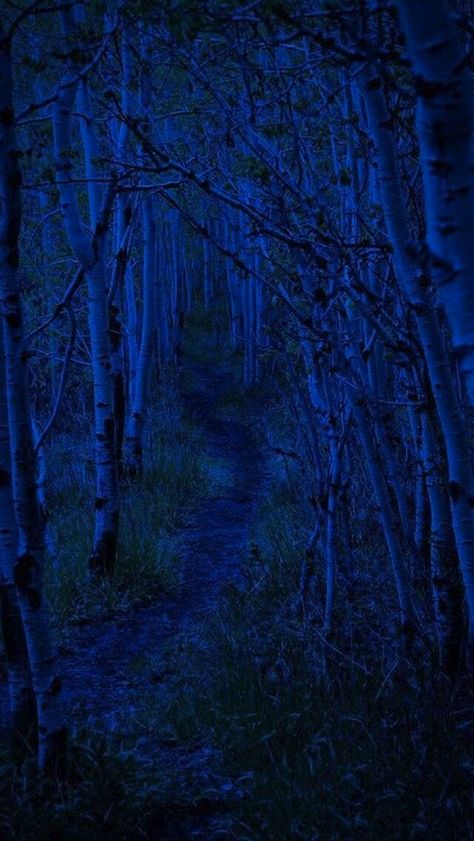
[100,674]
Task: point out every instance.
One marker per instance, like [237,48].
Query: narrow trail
[99,669]
[109,666]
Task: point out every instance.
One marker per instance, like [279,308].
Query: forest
[236,420]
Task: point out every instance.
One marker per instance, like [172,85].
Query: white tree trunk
[136,418]
[413,283]
[30,558]
[445,132]
[90,253]
[22,699]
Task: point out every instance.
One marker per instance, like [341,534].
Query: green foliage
[253,168]
[187,19]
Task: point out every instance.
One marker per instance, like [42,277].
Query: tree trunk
[30,559]
[445,133]
[90,253]
[22,699]
[136,419]
[414,284]
[445,579]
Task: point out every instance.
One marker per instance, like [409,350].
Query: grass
[252,726]
[337,740]
[109,794]
[153,511]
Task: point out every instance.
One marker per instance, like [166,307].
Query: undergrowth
[109,793]
[323,739]
[153,510]
[266,731]
[252,726]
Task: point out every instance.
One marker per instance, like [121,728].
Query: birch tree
[22,699]
[445,133]
[414,283]
[136,419]
[90,252]
[29,561]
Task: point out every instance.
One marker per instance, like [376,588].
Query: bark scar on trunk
[23,574]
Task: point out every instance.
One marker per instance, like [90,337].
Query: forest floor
[103,666]
[112,667]
[210,711]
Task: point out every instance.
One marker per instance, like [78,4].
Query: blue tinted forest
[236,420]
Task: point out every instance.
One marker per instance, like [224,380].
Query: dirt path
[109,666]
[105,668]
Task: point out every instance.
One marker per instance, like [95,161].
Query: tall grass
[251,725]
[153,510]
[320,739]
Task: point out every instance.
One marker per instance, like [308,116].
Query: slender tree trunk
[414,284]
[207,276]
[421,507]
[136,419]
[162,325]
[22,699]
[90,253]
[116,299]
[331,534]
[392,540]
[131,333]
[445,132]
[30,558]
[445,579]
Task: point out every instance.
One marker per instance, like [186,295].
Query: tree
[90,252]
[445,130]
[30,555]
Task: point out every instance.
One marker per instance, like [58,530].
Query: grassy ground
[264,731]
[268,733]
[152,513]
[316,739]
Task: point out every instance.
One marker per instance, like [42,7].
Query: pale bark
[30,557]
[90,253]
[413,282]
[22,699]
[445,132]
[445,579]
[136,418]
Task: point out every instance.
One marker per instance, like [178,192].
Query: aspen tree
[445,126]
[29,562]
[22,699]
[412,280]
[90,252]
